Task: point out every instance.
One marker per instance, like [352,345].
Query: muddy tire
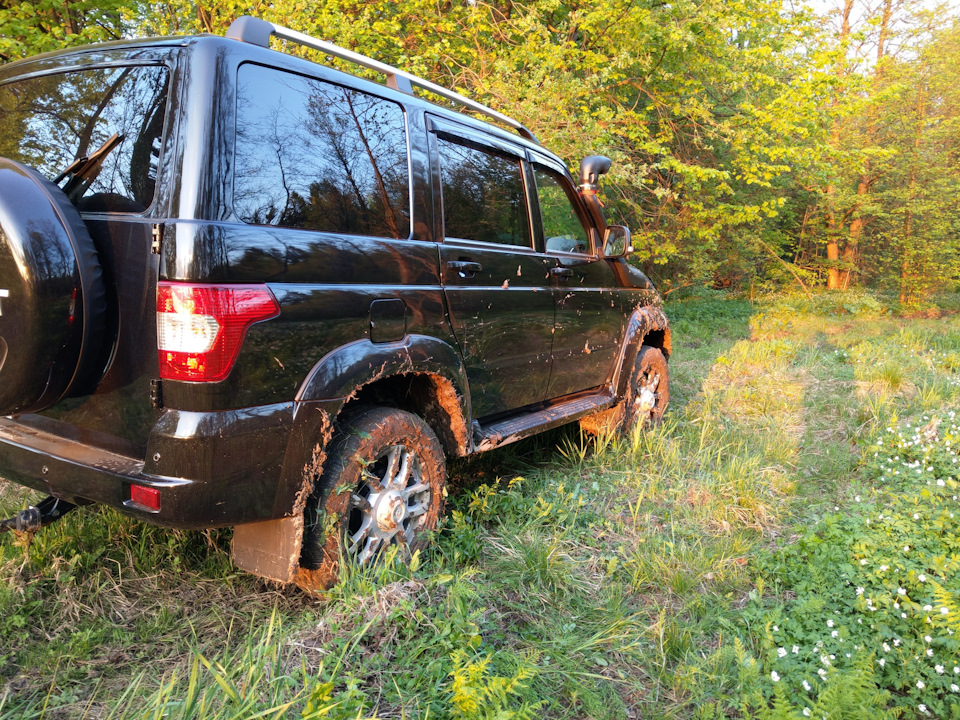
[53,301]
[646,399]
[649,392]
[382,484]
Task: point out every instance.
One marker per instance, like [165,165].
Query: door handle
[464,267]
[561,272]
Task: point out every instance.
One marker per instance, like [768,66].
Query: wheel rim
[388,505]
[648,399]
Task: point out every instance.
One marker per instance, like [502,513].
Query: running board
[504,432]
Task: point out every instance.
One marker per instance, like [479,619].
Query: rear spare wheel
[52,295]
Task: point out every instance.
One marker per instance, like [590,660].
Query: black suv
[238,288]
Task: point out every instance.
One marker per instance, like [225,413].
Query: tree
[28,28]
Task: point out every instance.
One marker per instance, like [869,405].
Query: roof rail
[257,32]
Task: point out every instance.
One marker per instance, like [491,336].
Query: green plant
[478,695]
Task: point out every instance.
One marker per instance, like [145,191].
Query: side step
[504,432]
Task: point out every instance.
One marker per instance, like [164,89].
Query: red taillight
[200,328]
[146,496]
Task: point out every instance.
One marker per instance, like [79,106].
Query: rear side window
[319,156]
[47,122]
[483,195]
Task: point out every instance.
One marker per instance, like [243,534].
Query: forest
[757,144]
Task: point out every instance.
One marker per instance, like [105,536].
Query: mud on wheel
[382,485]
[646,398]
[649,391]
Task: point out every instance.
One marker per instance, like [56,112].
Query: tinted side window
[315,155]
[483,196]
[562,229]
[48,122]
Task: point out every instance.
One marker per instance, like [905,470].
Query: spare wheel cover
[52,295]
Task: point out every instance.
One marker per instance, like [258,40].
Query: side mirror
[616,242]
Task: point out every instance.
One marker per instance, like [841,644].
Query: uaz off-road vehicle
[238,288]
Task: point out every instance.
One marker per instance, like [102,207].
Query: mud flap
[270,549]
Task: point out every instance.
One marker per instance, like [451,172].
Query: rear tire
[382,485]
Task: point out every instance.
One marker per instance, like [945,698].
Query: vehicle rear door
[497,286]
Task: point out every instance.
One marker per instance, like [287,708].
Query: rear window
[48,122]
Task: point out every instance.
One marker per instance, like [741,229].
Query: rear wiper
[83,171]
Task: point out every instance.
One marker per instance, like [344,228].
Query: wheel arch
[647,326]
[422,375]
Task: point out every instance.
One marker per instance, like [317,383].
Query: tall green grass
[633,576]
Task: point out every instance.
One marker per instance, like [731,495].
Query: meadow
[783,545]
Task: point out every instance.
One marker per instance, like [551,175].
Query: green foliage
[875,587]
[476,695]
[28,28]
[746,136]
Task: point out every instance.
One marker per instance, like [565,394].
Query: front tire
[649,391]
[645,401]
[382,485]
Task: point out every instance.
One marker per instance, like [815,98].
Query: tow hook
[33,518]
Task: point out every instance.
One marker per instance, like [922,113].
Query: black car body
[355,246]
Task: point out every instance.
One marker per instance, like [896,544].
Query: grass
[656,575]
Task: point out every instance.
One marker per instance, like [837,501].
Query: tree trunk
[907,289]
[851,250]
[833,248]
[833,231]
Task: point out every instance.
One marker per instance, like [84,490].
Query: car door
[588,317]
[496,285]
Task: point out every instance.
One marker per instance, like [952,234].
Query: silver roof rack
[257,32]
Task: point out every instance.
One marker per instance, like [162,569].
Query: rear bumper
[211,469]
